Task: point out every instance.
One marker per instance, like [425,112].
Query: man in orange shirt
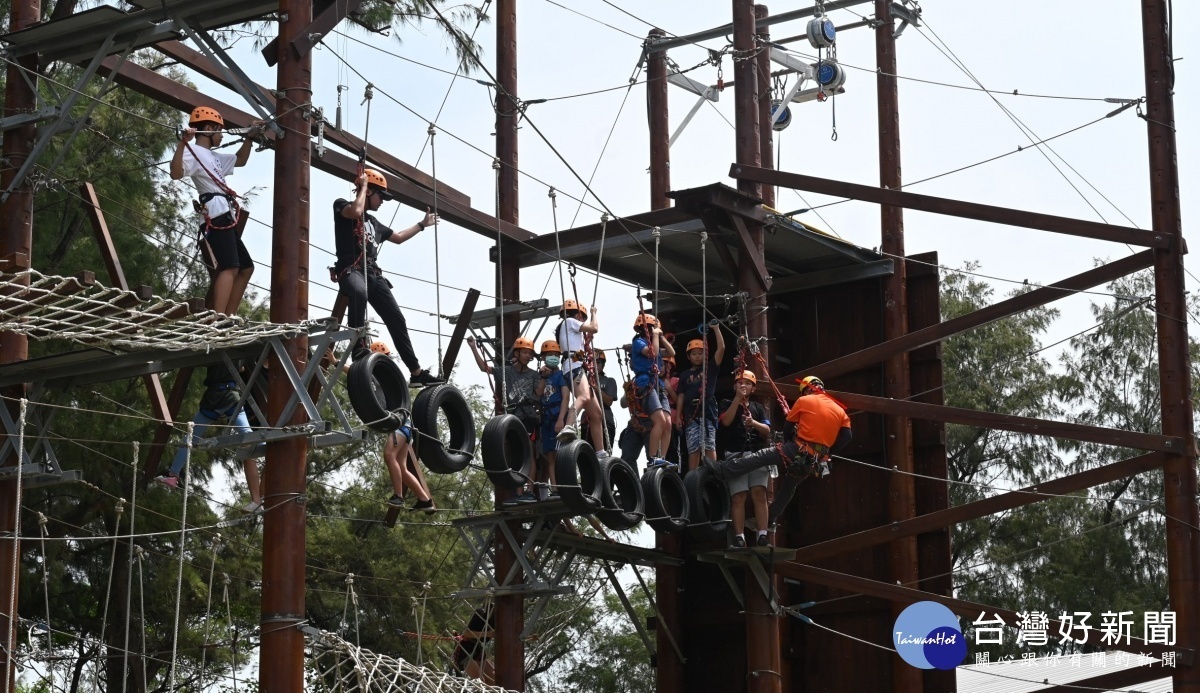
[822,427]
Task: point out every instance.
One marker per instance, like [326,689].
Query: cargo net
[338,666]
[80,310]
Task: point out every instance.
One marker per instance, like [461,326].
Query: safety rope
[437,255]
[235,208]
[212,571]
[351,598]
[502,384]
[187,460]
[704,338]
[562,289]
[42,520]
[10,642]
[119,511]
[229,621]
[129,568]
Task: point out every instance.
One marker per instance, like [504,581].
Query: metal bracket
[20,119]
[752,560]
[907,15]
[698,88]
[39,466]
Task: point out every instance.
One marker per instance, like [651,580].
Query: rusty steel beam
[16,242]
[766,142]
[202,64]
[1171,318]
[981,508]
[954,208]
[281,653]
[750,252]
[1018,424]
[997,311]
[908,595]
[658,115]
[150,83]
[328,15]
[898,434]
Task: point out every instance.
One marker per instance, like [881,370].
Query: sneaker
[656,463]
[567,434]
[763,540]
[526,497]
[739,542]
[168,480]
[425,378]
[426,505]
[395,501]
[601,454]
[253,508]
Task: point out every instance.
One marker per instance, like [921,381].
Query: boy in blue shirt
[555,392]
[646,358]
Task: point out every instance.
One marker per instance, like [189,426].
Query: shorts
[692,433]
[651,399]
[221,249]
[575,374]
[743,483]
[547,433]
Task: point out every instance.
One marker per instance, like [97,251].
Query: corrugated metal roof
[1018,677]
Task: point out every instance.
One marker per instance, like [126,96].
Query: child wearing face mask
[555,393]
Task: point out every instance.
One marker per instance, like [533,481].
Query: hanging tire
[708,502]
[454,455]
[578,474]
[666,500]
[378,392]
[507,452]
[620,494]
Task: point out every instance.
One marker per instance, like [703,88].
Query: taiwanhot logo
[927,636]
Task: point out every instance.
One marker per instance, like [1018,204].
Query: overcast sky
[1055,49]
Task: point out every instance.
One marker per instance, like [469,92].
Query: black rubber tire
[708,502]
[507,452]
[667,500]
[438,457]
[378,392]
[578,474]
[620,494]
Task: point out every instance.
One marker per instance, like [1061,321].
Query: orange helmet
[748,375]
[522,343]
[644,318]
[551,346]
[381,348]
[669,359]
[811,382]
[204,114]
[694,344]
[600,355]
[571,305]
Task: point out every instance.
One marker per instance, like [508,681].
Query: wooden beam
[746,249]
[935,333]
[1008,422]
[972,610]
[955,208]
[108,251]
[949,517]
[460,331]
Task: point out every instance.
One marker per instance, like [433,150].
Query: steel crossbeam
[39,465]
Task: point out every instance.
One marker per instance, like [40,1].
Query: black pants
[732,467]
[378,292]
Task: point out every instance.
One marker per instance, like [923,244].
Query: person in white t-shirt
[221,250]
[570,336]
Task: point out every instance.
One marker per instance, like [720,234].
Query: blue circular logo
[927,636]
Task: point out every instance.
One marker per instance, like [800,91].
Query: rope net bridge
[338,666]
[82,311]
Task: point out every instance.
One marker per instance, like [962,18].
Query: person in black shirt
[698,411]
[608,395]
[357,236]
[744,427]
[470,654]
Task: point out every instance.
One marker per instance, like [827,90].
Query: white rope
[129,581]
[112,567]
[437,255]
[212,571]
[42,520]
[141,558]
[64,308]
[187,476]
[704,336]
[501,348]
[10,643]
[232,627]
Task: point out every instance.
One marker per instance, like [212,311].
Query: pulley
[821,32]
[830,75]
[784,119]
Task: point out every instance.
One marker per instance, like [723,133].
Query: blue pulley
[830,75]
[785,118]
[821,32]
